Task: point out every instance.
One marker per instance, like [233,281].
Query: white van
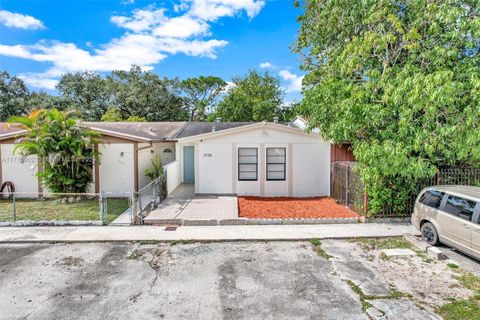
[450,215]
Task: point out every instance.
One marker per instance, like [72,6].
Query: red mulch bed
[288,207]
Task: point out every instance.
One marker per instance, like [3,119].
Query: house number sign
[207,155]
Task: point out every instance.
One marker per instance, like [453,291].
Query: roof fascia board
[246,128]
[12,135]
[221,132]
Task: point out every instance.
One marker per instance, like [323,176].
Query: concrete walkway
[201,233]
[182,205]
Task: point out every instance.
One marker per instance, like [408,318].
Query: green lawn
[467,309]
[55,209]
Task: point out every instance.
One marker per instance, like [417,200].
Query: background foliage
[255,96]
[137,95]
[398,79]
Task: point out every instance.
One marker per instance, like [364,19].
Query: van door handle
[466,226]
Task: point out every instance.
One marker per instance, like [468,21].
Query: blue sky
[40,40]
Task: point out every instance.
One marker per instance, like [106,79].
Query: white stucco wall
[215,170]
[308,159]
[22,172]
[162,149]
[174,179]
[312,176]
[116,171]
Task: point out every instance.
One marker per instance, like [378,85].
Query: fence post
[14,208]
[346,184]
[102,206]
[133,208]
[154,194]
[437,178]
[365,203]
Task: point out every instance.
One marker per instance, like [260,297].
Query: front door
[188,164]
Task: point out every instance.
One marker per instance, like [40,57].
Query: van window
[432,198]
[460,207]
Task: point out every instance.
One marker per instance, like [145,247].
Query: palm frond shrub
[65,149]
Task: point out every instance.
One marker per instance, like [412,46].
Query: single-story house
[242,158]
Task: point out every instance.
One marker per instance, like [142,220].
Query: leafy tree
[87,92]
[254,97]
[43,100]
[13,96]
[65,148]
[135,119]
[112,115]
[144,94]
[201,95]
[400,80]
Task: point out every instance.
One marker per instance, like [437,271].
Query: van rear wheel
[429,233]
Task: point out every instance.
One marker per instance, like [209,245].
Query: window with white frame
[247,164]
[276,164]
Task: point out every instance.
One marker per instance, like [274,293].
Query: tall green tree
[400,80]
[146,95]
[65,148]
[114,115]
[13,96]
[43,100]
[253,97]
[201,95]
[87,92]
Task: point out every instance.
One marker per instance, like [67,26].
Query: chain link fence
[62,208]
[103,208]
[148,198]
[347,188]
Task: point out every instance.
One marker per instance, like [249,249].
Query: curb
[46,223]
[188,240]
[243,221]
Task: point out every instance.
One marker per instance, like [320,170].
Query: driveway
[334,279]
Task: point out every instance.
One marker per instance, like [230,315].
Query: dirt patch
[71,261]
[289,207]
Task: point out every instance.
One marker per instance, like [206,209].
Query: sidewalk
[201,233]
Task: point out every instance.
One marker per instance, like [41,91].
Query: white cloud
[141,20]
[182,27]
[20,21]
[266,65]
[230,85]
[38,80]
[211,10]
[151,35]
[294,81]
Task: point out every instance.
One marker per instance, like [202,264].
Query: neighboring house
[126,150]
[262,159]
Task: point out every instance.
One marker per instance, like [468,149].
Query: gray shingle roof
[152,131]
[149,131]
[195,128]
